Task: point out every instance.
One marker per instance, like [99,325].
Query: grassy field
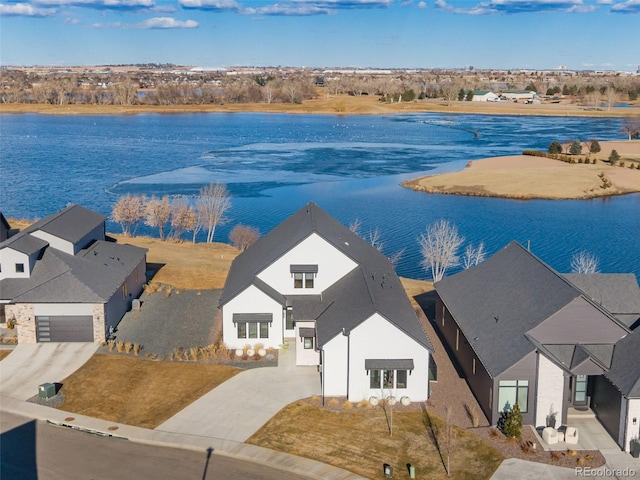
[330,104]
[358,440]
[138,392]
[184,265]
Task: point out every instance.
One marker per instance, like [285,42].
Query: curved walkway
[240,406]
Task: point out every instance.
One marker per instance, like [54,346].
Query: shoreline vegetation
[525,177]
[341,104]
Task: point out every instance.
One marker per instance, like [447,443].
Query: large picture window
[387,379]
[252,329]
[511,392]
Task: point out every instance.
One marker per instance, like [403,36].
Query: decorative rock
[251,352]
[239,352]
[373,401]
[262,352]
[405,401]
[391,400]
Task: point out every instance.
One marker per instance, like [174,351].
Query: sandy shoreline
[333,104]
[526,177]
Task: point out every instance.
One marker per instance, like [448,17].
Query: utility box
[46,390]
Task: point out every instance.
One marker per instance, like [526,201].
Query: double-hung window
[388,373]
[304,275]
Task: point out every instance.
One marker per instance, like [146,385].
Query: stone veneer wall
[25,321]
[99,333]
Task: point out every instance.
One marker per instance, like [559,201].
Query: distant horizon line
[468,68]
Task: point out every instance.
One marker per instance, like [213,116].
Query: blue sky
[581,34]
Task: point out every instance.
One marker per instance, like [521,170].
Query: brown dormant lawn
[4,353]
[138,392]
[357,439]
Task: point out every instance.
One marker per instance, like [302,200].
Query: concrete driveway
[32,364]
[243,404]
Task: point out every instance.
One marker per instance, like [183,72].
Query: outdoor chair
[571,435]
[550,435]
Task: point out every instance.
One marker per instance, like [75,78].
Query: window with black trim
[304,279]
[511,392]
[253,329]
[19,267]
[388,379]
[308,343]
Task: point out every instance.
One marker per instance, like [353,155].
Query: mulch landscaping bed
[523,449]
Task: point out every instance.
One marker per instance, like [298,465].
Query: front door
[580,391]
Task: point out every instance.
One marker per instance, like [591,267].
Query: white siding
[305,356]
[69,247]
[252,300]
[332,266]
[549,391]
[8,260]
[377,338]
[45,309]
[55,242]
[335,367]
[630,409]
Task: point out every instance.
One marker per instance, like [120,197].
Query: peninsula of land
[529,177]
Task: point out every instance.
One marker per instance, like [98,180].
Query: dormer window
[19,267]
[303,275]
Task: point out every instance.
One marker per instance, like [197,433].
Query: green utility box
[46,390]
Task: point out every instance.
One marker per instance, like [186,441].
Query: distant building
[485,96]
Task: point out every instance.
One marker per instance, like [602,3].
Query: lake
[349,165]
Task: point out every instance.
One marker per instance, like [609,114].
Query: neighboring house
[5,228]
[523,333]
[62,281]
[484,96]
[313,280]
[519,95]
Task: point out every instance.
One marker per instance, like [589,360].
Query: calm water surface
[349,165]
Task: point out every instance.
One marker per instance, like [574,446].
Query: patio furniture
[571,435]
[550,435]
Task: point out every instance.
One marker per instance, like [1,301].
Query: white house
[61,280]
[340,302]
[485,96]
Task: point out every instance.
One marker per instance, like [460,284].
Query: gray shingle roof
[618,293]
[496,302]
[26,244]
[93,275]
[625,367]
[71,223]
[371,287]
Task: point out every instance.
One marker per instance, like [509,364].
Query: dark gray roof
[4,222]
[371,287]
[93,275]
[26,244]
[616,292]
[388,364]
[71,223]
[496,302]
[625,367]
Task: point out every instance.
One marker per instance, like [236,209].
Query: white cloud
[422,5]
[25,10]
[630,6]
[288,9]
[519,6]
[166,22]
[211,4]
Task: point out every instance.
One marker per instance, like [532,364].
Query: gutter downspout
[347,334]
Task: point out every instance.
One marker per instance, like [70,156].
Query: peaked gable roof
[71,223]
[498,301]
[371,287]
[617,292]
[625,367]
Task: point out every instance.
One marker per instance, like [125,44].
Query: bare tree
[374,238]
[355,226]
[213,203]
[194,222]
[473,256]
[584,262]
[450,92]
[129,212]
[611,95]
[180,217]
[157,213]
[242,236]
[439,247]
[631,127]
